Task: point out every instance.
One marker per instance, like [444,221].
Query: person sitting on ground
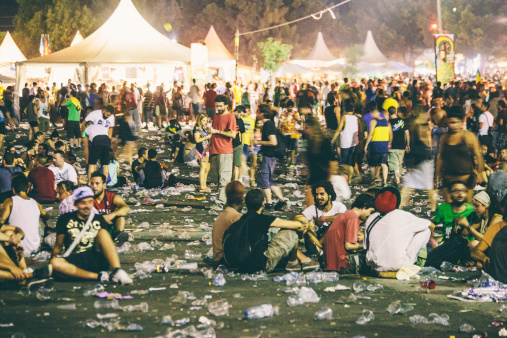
[343,245]
[235,192]
[62,170]
[339,179]
[139,164]
[42,181]
[153,171]
[64,191]
[187,151]
[266,255]
[24,212]
[114,179]
[477,223]
[60,145]
[393,238]
[6,173]
[53,138]
[94,252]
[111,206]
[43,149]
[447,212]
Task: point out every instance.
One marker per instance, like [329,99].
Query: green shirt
[73,112]
[446,216]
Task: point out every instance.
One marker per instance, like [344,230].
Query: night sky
[8,9]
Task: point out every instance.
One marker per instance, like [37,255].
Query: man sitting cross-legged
[94,253]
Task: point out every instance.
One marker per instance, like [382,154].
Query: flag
[41,46]
[478,77]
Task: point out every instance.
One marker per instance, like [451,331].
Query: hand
[365,150]
[18,274]
[109,218]
[407,149]
[360,236]
[15,239]
[213,131]
[462,221]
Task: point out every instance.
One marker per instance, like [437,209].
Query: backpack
[237,247]
[281,147]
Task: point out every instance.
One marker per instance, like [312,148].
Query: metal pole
[439,13]
[236,53]
[436,55]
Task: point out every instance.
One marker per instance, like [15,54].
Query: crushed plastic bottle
[93,290]
[262,311]
[316,277]
[439,319]
[503,309]
[67,306]
[396,308]
[219,280]
[300,280]
[189,254]
[374,287]
[295,300]
[286,277]
[366,317]
[466,328]
[43,295]
[324,314]
[359,286]
[308,295]
[106,304]
[418,319]
[219,308]
[142,307]
[124,248]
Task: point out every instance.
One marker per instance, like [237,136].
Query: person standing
[486,120]
[400,144]
[223,130]
[237,143]
[147,106]
[209,100]
[349,130]
[201,137]
[43,112]
[131,103]
[73,129]
[196,99]
[377,145]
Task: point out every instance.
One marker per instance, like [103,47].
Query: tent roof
[9,51]
[216,48]
[397,67]
[371,52]
[77,39]
[320,52]
[126,38]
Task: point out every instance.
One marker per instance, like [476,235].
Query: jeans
[223,164]
[196,109]
[135,116]
[148,115]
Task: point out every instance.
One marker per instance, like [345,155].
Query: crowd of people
[395,136]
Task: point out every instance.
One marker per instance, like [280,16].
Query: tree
[2,36]
[274,53]
[352,56]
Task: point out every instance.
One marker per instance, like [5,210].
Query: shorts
[266,171]
[395,159]
[292,143]
[236,157]
[43,124]
[3,131]
[256,150]
[199,155]
[376,159]
[246,150]
[280,247]
[99,151]
[90,260]
[348,156]
[33,124]
[73,129]
[420,177]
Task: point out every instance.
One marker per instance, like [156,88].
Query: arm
[478,253]
[229,133]
[199,139]
[477,151]
[58,245]
[373,124]
[271,142]
[352,246]
[6,210]
[439,164]
[63,102]
[340,128]
[407,141]
[122,209]
[390,133]
[110,132]
[291,225]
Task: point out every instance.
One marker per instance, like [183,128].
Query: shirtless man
[438,116]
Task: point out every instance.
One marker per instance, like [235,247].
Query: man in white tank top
[348,129]
[24,213]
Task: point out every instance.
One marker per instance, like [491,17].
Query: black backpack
[236,245]
[281,147]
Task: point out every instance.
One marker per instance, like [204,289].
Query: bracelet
[323,219]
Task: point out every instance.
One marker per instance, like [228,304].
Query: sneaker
[103,277]
[280,206]
[121,237]
[312,265]
[43,273]
[35,284]
[119,276]
[268,206]
[293,266]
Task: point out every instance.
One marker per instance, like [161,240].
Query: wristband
[323,220]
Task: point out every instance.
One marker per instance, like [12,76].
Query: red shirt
[344,228]
[105,206]
[209,98]
[221,144]
[43,184]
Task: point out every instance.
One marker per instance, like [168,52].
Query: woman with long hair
[201,137]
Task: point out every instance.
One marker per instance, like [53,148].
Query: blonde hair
[199,119]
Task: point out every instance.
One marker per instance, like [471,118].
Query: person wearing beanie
[393,237]
[235,193]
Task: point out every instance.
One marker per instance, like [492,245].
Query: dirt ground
[36,318]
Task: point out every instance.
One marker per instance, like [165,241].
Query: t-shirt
[313,212]
[222,223]
[249,128]
[446,216]
[43,184]
[73,112]
[221,144]
[95,130]
[70,225]
[209,99]
[487,120]
[492,231]
[130,100]
[152,175]
[67,173]
[98,119]
[6,177]
[258,233]
[240,130]
[268,129]
[498,256]
[343,229]
[331,120]
[398,126]
[135,164]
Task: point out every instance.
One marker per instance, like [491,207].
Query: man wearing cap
[393,237]
[235,192]
[93,251]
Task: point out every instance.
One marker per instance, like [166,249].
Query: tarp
[396,67]
[372,53]
[77,39]
[125,38]
[9,51]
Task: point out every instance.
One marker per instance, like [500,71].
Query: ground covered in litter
[172,234]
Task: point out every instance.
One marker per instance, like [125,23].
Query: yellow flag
[478,77]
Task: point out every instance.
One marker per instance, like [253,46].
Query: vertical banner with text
[444,57]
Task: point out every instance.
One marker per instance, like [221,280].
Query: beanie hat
[483,198]
[235,190]
[387,200]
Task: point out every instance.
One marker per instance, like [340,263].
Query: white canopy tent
[291,69]
[125,40]
[9,55]
[320,56]
[218,55]
[77,39]
[372,53]
[396,67]
[374,61]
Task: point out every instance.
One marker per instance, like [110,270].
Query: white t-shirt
[68,173]
[395,240]
[97,119]
[194,94]
[341,188]
[94,130]
[487,122]
[43,110]
[312,212]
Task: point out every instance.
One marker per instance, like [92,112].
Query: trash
[497,323]
[433,319]
[359,286]
[106,304]
[6,324]
[407,272]
[502,332]
[189,254]
[134,327]
[219,308]
[396,308]
[67,306]
[324,314]
[261,275]
[43,256]
[206,321]
[466,328]
[124,248]
[218,280]
[503,309]
[295,300]
[418,319]
[157,289]
[182,297]
[366,317]
[300,280]
[93,290]
[338,287]
[18,335]
[374,287]
[142,307]
[308,295]
[316,277]
[262,311]
[287,276]
[428,284]
[111,295]
[167,320]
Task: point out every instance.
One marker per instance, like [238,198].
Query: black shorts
[100,149]
[376,159]
[33,124]
[292,143]
[73,129]
[89,260]
[3,131]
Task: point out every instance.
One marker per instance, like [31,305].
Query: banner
[444,57]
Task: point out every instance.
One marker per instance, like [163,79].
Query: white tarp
[9,51]
[77,39]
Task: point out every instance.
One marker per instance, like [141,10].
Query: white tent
[396,67]
[77,39]
[320,56]
[372,53]
[219,56]
[291,69]
[126,39]
[9,51]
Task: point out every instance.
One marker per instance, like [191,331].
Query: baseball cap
[82,192]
